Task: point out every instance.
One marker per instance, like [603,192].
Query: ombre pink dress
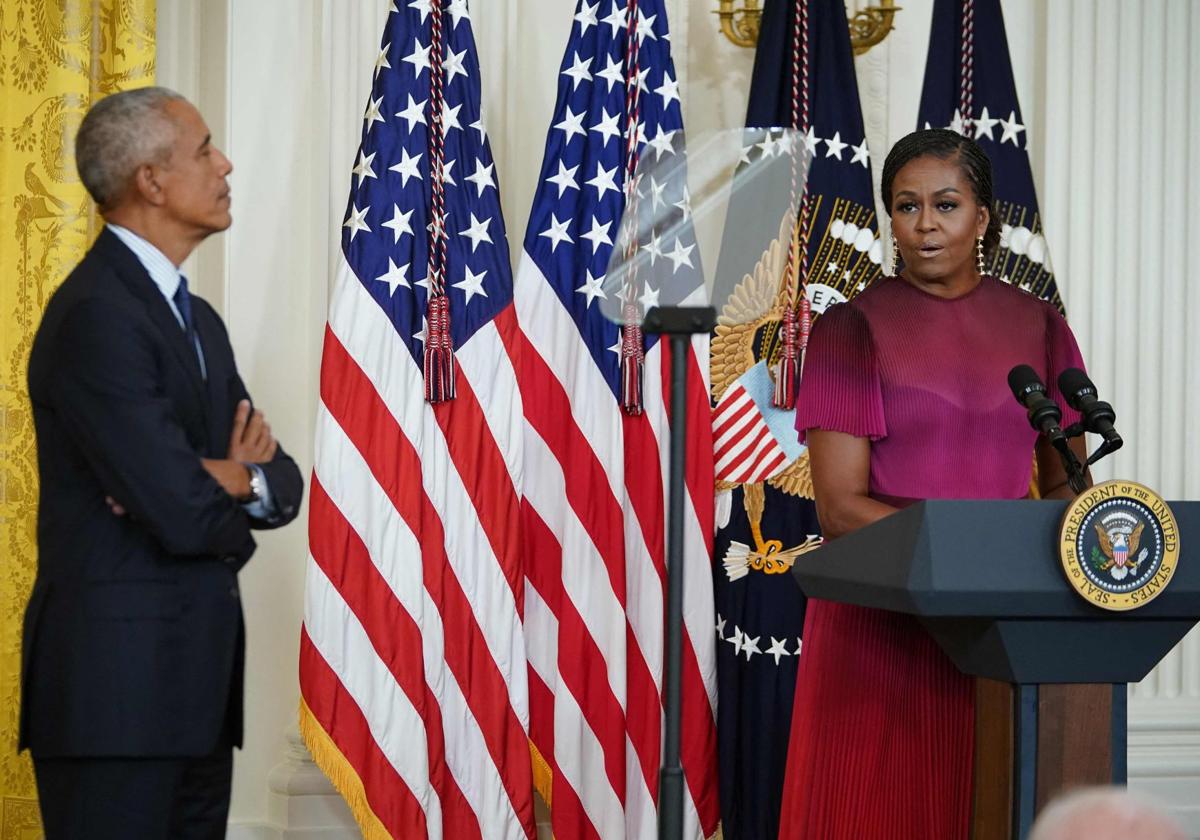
[883,724]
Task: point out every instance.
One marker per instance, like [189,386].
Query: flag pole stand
[679,323]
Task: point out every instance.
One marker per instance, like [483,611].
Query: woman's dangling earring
[895,257]
[979,255]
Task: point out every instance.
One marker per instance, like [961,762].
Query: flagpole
[680,323]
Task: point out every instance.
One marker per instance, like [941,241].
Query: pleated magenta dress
[883,724]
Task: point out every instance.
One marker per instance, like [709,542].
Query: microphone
[1098,416]
[1030,391]
[1045,415]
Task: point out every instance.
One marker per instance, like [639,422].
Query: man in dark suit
[154,469]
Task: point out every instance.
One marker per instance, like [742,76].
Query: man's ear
[146,184]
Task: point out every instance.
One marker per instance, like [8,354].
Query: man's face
[194,190]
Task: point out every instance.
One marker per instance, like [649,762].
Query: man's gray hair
[1105,813]
[120,133]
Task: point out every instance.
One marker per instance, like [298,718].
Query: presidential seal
[1119,544]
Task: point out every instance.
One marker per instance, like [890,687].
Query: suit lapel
[220,413]
[135,277]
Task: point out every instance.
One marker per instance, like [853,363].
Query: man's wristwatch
[256,485]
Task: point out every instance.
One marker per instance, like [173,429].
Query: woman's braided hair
[944,144]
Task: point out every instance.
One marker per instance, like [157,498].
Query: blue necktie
[183,302]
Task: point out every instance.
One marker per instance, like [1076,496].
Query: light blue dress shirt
[166,277]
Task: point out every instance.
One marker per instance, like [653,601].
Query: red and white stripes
[746,451]
[594,522]
[412,655]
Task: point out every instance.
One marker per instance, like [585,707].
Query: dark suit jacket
[133,638]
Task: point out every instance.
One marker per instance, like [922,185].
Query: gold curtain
[56,58]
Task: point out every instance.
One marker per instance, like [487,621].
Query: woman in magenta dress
[904,397]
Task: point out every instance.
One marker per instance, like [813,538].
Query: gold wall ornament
[871,25]
[740,25]
[868,26]
[56,59]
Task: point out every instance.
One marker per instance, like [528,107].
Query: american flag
[969,88]
[412,660]
[595,488]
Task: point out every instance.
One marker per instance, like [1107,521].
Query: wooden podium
[984,579]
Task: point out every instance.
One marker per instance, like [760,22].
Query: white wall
[260,73]
[1121,123]
[1112,136]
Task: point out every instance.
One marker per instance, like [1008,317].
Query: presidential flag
[595,494]
[414,698]
[969,88]
[803,77]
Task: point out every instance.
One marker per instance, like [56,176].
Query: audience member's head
[1105,813]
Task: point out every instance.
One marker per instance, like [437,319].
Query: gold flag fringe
[543,776]
[343,776]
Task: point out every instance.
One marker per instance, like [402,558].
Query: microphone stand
[1070,463]
[1111,443]
[680,323]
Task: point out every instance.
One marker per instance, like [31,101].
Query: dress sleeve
[1062,352]
[839,384]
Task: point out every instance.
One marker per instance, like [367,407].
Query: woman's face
[935,218]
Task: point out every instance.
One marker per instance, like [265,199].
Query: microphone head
[1074,384]
[1023,380]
